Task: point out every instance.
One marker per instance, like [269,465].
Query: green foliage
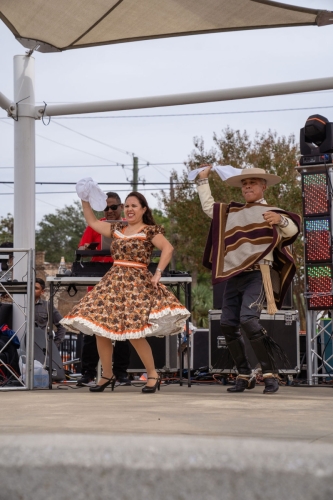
[6,229]
[275,154]
[202,302]
[60,233]
[162,220]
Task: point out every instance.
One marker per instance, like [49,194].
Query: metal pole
[310,344]
[24,165]
[5,103]
[180,345]
[135,173]
[50,333]
[188,305]
[189,98]
[30,338]
[315,348]
[309,336]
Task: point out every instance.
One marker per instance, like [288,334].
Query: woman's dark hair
[147,216]
[41,282]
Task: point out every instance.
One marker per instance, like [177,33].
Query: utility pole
[135,173]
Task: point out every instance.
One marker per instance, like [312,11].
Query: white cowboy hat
[253,173]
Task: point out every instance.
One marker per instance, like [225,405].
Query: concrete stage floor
[294,413]
[181,444]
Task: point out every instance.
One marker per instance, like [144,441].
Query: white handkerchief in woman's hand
[88,190]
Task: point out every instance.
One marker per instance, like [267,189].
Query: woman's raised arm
[99,226]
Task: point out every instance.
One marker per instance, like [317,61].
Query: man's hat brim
[236,180]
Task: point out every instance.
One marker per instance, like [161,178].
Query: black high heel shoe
[152,389]
[100,388]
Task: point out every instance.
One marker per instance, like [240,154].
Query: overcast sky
[166,66]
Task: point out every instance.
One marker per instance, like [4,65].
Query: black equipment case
[283,328]
[165,352]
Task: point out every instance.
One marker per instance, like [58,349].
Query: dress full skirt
[124,304]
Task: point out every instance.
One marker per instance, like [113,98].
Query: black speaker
[283,328]
[165,352]
[200,348]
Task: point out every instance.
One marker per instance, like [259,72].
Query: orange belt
[129,263]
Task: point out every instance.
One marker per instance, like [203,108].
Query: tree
[59,234]
[277,155]
[163,220]
[6,228]
[202,302]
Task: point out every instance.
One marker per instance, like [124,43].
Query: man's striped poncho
[240,237]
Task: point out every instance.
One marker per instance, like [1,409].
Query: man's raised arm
[205,195]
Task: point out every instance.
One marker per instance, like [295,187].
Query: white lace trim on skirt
[161,323]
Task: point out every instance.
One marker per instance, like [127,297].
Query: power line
[92,139]
[100,183]
[70,147]
[104,166]
[159,171]
[42,201]
[74,192]
[117,164]
[99,142]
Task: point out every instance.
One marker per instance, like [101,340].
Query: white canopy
[57,25]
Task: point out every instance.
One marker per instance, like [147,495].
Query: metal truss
[319,353]
[25,312]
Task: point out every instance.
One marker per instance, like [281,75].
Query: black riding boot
[264,348]
[236,346]
[243,382]
[271,383]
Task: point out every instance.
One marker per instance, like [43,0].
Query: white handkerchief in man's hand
[192,175]
[224,172]
[88,190]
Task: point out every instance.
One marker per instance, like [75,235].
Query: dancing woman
[129,302]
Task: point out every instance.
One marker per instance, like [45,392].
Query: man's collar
[262,200]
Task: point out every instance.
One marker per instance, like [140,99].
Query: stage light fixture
[315,194]
[319,287]
[317,236]
[315,129]
[316,137]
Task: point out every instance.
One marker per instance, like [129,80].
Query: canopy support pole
[255,91]
[24,168]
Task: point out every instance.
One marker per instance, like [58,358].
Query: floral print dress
[125,304]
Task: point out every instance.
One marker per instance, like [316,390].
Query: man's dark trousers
[242,302]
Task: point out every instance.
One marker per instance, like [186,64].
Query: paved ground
[294,413]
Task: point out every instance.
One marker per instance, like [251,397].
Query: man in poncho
[248,246]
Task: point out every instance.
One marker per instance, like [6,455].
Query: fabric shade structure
[49,26]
